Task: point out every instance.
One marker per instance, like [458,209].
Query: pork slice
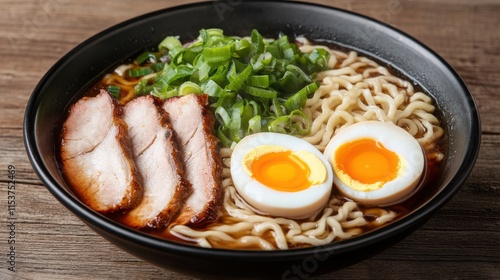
[159,162]
[193,124]
[96,158]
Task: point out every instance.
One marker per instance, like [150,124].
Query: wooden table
[462,241]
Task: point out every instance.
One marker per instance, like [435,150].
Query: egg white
[393,138]
[296,205]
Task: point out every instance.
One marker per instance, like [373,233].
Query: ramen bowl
[86,63]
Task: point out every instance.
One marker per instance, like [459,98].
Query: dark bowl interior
[84,64]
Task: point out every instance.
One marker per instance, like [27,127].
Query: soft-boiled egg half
[375,163]
[281,175]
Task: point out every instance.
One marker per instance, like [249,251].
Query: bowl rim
[89,216]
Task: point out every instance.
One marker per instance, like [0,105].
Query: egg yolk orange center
[367,161]
[281,171]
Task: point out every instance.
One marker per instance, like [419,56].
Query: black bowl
[87,62]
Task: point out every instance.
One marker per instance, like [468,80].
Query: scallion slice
[189,88]
[146,56]
[254,84]
[298,100]
[114,91]
[169,43]
[139,72]
[216,56]
[261,92]
[261,81]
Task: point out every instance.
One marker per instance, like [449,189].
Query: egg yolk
[367,161]
[281,171]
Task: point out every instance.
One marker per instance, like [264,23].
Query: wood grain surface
[462,241]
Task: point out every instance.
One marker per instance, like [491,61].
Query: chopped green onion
[212,89]
[243,48]
[317,60]
[255,107]
[226,99]
[221,134]
[299,73]
[237,80]
[169,43]
[264,59]
[145,56]
[261,81]
[254,84]
[166,93]
[157,67]
[114,91]
[289,82]
[220,75]
[211,33]
[235,124]
[254,125]
[189,88]
[192,52]
[298,100]
[203,68]
[257,41]
[277,108]
[142,87]
[175,75]
[246,114]
[273,49]
[218,55]
[139,72]
[286,48]
[279,125]
[295,123]
[223,116]
[260,92]
[300,122]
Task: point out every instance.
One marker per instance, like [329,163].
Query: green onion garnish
[254,84]
[139,72]
[114,91]
[146,56]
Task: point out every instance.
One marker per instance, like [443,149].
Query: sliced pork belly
[96,157]
[159,162]
[193,124]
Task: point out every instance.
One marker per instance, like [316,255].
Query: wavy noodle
[355,89]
